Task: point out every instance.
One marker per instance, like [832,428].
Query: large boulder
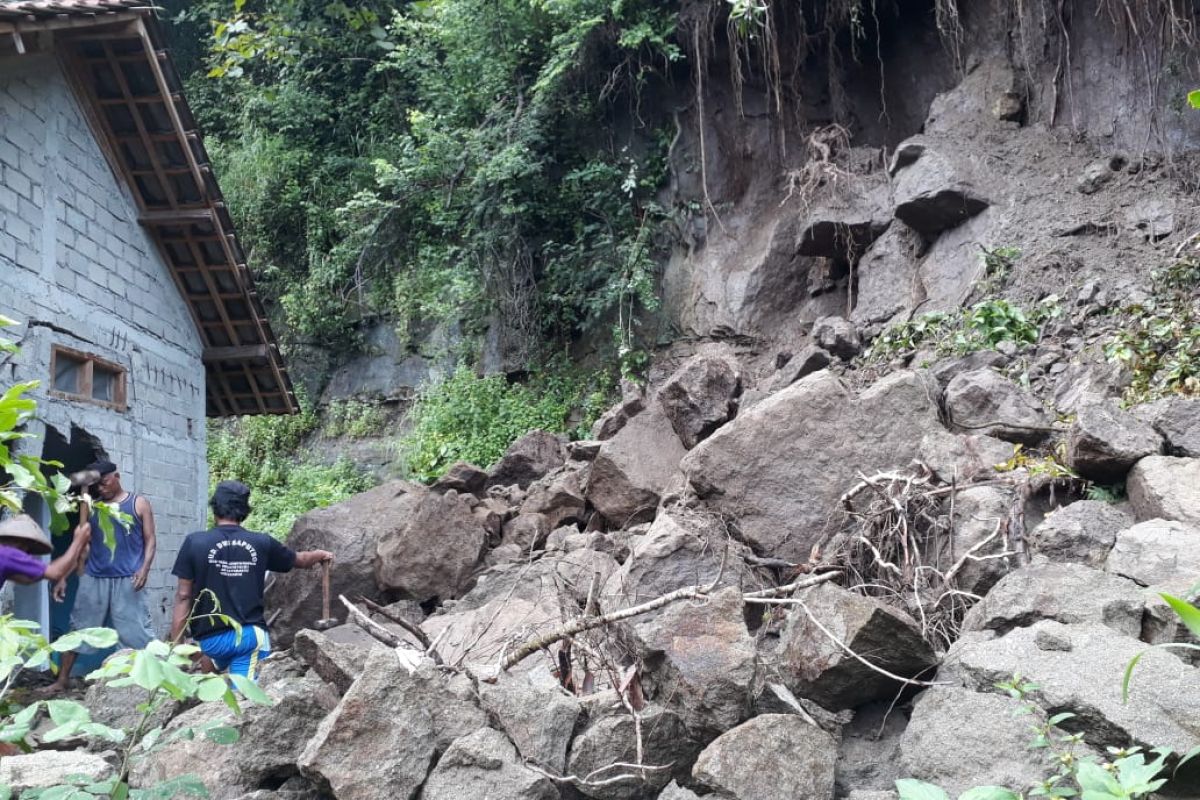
[269,743]
[1082,384]
[869,751]
[485,764]
[676,792]
[1068,593]
[559,496]
[1104,442]
[837,336]
[817,668]
[700,661]
[117,706]
[610,737]
[1177,418]
[957,458]
[932,193]
[1079,668]
[536,713]
[512,602]
[350,530]
[46,768]
[700,397]
[633,468]
[611,421]
[958,739]
[1081,533]
[527,459]
[770,757]
[463,478]
[780,467]
[843,230]
[887,282]
[526,532]
[1158,552]
[978,512]
[682,548]
[433,551]
[381,739]
[1164,487]
[984,401]
[810,359]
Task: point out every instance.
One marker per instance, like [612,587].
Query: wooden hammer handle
[324,590]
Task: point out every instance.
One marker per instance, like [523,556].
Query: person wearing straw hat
[22,542]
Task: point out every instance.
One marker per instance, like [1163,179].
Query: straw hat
[23,527]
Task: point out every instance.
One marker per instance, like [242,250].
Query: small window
[82,376]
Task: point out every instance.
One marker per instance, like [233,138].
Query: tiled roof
[115,58]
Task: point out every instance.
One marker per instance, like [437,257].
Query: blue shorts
[237,655]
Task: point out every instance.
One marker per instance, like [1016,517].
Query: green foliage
[265,453]
[356,419]
[459,159]
[1193,98]
[1106,494]
[1189,615]
[474,419]
[1127,776]
[983,326]
[1160,338]
[1051,464]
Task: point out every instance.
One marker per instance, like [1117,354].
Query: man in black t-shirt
[222,572]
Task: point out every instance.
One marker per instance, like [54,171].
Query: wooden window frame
[89,361]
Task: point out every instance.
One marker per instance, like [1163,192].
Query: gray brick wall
[78,271]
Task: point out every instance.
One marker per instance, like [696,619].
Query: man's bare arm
[149,542]
[60,567]
[183,608]
[310,558]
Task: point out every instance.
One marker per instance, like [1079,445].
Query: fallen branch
[415,630]
[803,583]
[372,627]
[586,783]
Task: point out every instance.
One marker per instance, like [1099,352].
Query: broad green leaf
[1094,778]
[910,789]
[212,689]
[251,691]
[1188,613]
[147,671]
[1193,98]
[66,712]
[989,793]
[222,734]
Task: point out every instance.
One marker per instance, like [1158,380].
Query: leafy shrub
[264,452]
[475,419]
[1160,340]
[983,326]
[356,419]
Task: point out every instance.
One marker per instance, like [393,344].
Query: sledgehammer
[326,622]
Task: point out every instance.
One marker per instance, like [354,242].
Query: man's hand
[59,592]
[139,579]
[83,530]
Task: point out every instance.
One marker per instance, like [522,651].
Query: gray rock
[1164,487]
[1104,442]
[1067,593]
[946,371]
[700,397]
[809,360]
[1094,177]
[681,549]
[485,764]
[1177,418]
[1152,217]
[617,417]
[337,663]
[886,276]
[433,551]
[46,768]
[676,792]
[958,739]
[845,230]
[961,457]
[117,706]
[869,794]
[583,450]
[537,714]
[931,193]
[350,529]
[985,402]
[700,661]
[817,668]
[527,459]
[269,743]
[1081,533]
[384,734]
[770,757]
[837,336]
[869,753]
[462,477]
[526,532]
[1078,668]
[633,468]
[781,466]
[558,497]
[1163,553]
[1084,383]
[610,738]
[977,512]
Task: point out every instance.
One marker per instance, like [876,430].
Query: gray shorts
[112,603]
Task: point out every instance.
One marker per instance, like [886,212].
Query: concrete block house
[118,257]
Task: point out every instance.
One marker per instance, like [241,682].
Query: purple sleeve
[15,563]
